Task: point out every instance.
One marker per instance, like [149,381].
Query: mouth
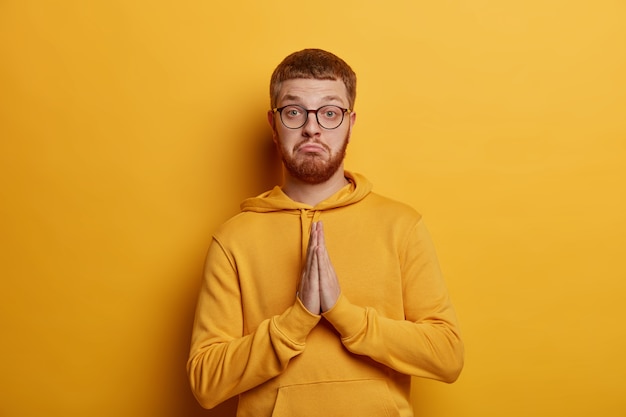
[311,147]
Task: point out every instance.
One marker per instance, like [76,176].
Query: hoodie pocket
[363,398]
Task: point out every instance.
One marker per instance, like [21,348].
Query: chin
[313,171]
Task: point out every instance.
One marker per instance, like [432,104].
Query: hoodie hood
[277,200]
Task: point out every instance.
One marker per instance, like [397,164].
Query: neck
[313,194]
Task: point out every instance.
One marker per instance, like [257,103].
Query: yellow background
[129,130]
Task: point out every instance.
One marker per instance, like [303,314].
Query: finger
[322,252]
[329,283]
[313,238]
[329,294]
[324,263]
[310,295]
[321,240]
[315,232]
[309,282]
[325,268]
[308,258]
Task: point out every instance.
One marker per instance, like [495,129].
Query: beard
[312,168]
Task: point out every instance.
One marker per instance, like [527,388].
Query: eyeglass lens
[294,116]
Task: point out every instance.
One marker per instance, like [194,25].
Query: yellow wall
[130,129]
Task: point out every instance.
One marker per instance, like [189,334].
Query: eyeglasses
[294,116]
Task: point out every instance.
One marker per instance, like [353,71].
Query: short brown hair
[313,63]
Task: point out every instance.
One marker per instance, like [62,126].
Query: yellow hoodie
[253,338]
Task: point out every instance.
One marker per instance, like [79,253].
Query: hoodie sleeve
[224,362]
[427,343]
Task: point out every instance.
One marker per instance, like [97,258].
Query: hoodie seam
[226,253]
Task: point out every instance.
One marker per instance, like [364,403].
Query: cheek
[286,139]
[281,144]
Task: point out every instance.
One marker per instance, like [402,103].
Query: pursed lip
[310,147]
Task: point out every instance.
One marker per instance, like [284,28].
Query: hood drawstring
[305,233]
[305,227]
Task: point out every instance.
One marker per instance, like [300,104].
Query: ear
[272,122]
[352,119]
[352,122]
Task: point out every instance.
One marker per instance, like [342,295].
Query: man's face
[311,153]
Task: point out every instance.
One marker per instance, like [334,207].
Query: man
[321,298]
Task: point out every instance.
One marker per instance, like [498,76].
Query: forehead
[312,91]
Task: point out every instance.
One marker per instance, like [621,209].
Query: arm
[224,362]
[427,343]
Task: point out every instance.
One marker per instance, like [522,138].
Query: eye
[292,111]
[330,112]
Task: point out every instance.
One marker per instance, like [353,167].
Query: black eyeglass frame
[280,111]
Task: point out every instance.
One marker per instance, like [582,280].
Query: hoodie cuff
[296,322]
[347,318]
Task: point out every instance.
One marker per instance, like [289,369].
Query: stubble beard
[312,168]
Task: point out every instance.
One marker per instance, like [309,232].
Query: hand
[308,290]
[319,287]
[329,284]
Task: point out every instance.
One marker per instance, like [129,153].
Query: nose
[311,127]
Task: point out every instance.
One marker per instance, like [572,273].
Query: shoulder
[236,224]
[398,209]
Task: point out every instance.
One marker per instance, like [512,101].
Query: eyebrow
[290,97]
